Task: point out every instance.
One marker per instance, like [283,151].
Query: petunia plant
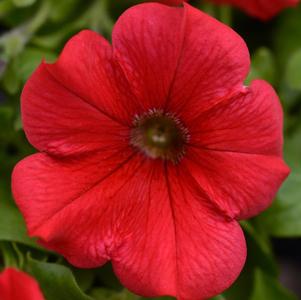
[142,149]
[263,10]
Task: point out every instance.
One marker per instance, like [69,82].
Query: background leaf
[56,281]
[283,219]
[293,71]
[263,66]
[12,226]
[267,287]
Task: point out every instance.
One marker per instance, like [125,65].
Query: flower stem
[38,20]
[9,256]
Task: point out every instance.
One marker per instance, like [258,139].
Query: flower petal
[66,106]
[261,8]
[163,237]
[67,204]
[190,69]
[87,66]
[147,40]
[15,285]
[235,151]
[250,122]
[242,185]
[179,245]
[211,66]
[169,2]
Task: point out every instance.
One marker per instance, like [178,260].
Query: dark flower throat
[159,135]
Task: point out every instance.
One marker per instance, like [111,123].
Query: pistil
[160,135]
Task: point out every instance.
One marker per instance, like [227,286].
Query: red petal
[68,203]
[147,40]
[250,122]
[211,66]
[171,60]
[169,2]
[262,9]
[66,106]
[15,285]
[87,66]
[242,185]
[163,235]
[178,245]
[236,151]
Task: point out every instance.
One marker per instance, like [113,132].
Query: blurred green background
[34,29]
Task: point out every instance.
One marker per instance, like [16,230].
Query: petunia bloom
[16,285]
[262,9]
[151,149]
[169,2]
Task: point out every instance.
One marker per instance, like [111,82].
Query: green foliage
[12,226]
[293,71]
[263,66]
[283,218]
[11,255]
[267,287]
[287,36]
[57,282]
[260,262]
[23,3]
[220,297]
[100,294]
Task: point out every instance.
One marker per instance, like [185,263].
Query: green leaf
[54,40]
[29,59]
[159,298]
[259,256]
[267,287]
[23,3]
[282,219]
[11,81]
[56,281]
[12,43]
[3,64]
[287,36]
[260,253]
[220,297]
[242,287]
[22,66]
[292,149]
[263,66]
[6,116]
[12,226]
[61,10]
[293,71]
[107,277]
[5,7]
[84,277]
[102,293]
[10,256]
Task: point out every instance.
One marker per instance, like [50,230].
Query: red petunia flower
[170,2]
[262,9]
[151,151]
[16,285]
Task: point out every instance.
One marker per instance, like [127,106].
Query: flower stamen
[159,135]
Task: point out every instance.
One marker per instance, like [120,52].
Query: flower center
[159,135]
